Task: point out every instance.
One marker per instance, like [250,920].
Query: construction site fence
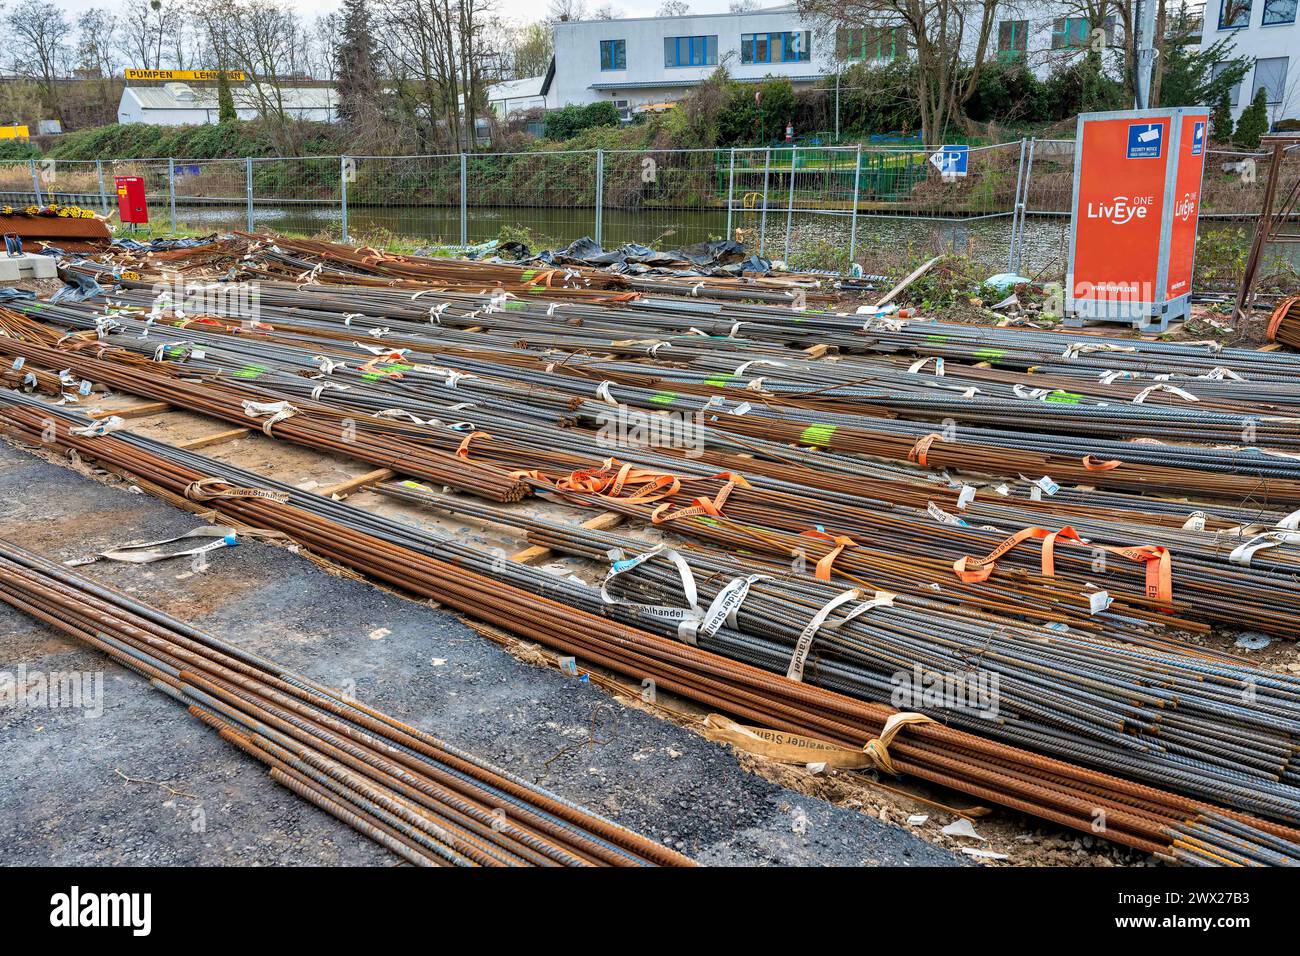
[810,206]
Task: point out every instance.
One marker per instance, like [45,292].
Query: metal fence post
[1015,210]
[36,182]
[762,224]
[343,197]
[248,191]
[1024,207]
[171,190]
[731,189]
[464,201]
[789,209]
[600,197]
[853,221]
[103,193]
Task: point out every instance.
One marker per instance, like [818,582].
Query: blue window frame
[1278,11]
[1234,14]
[691,51]
[613,54]
[789,47]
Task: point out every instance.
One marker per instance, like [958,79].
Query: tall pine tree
[1253,122]
[225,99]
[358,80]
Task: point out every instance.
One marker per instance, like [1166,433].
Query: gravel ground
[143,783]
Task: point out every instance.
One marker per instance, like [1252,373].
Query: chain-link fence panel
[298,196]
[544,199]
[417,197]
[72,183]
[1235,182]
[16,186]
[211,194]
[664,198]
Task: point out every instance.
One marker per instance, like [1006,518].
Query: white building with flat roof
[658,59]
[1265,32]
[179,104]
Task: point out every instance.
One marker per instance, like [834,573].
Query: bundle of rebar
[1155,821]
[430,803]
[1284,325]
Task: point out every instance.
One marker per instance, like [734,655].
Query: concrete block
[29,265]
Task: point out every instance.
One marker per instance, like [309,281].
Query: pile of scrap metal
[264,256]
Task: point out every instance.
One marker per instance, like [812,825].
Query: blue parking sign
[1198,138]
[951,160]
[1145,140]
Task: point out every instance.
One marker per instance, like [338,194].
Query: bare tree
[38,42]
[607,12]
[950,39]
[152,32]
[442,54]
[564,10]
[529,50]
[674,8]
[97,43]
[266,40]
[326,35]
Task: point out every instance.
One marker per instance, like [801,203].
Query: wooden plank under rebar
[204,441]
[359,481]
[143,411]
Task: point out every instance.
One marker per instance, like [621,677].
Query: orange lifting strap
[1158,560]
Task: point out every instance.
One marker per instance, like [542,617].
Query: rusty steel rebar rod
[426,801]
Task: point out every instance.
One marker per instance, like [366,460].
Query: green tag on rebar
[386,370]
[515,306]
[252,371]
[664,398]
[819,435]
[1065,398]
[989,354]
[936,338]
[719,381]
[528,274]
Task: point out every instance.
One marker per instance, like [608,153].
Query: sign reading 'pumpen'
[236,76]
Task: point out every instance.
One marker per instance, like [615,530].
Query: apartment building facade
[658,59]
[1264,32]
[640,61]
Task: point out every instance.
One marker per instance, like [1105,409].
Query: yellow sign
[235,75]
[14,132]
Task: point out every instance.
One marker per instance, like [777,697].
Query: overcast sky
[520,11]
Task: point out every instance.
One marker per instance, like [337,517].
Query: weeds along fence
[811,206]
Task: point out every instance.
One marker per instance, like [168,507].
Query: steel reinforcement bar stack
[1146,818]
[426,801]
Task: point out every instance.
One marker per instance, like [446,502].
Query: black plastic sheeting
[719,257]
[162,245]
